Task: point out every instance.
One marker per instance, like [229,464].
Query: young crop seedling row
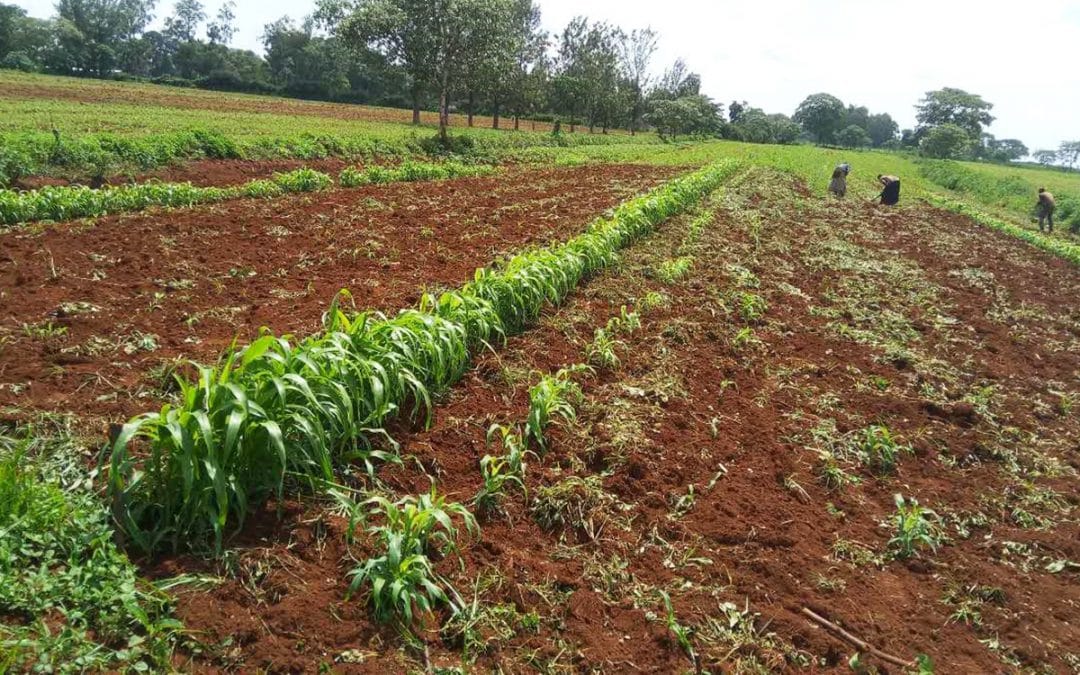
[69,202]
[279,409]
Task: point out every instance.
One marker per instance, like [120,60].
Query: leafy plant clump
[71,600]
[915,527]
[401,579]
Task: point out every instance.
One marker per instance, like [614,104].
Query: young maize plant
[280,408]
[401,578]
[916,526]
[553,395]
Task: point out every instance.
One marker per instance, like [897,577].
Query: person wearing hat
[1045,208]
[838,184]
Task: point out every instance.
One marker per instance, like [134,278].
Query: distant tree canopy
[821,115]
[946,141]
[691,115]
[829,122]
[957,107]
[853,136]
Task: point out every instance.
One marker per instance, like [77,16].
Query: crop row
[280,413]
[1058,247]
[77,201]
[35,153]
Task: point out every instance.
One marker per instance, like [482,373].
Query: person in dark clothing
[1045,208]
[890,193]
[838,184]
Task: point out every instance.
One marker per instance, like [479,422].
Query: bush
[20,60]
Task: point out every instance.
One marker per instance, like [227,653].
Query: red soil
[768,543]
[199,278]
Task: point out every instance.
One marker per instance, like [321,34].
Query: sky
[882,55]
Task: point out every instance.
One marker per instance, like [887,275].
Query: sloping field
[594,412]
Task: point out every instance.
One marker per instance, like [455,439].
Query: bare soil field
[733,457]
[96,314]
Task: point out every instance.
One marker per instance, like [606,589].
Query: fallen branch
[862,645]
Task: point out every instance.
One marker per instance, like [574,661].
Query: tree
[821,115]
[957,107]
[223,28]
[695,115]
[404,31]
[858,116]
[1069,153]
[91,32]
[636,52]
[853,136]
[1045,157]
[882,129]
[752,125]
[182,25]
[1003,150]
[946,141]
[735,111]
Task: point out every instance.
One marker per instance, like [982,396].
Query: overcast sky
[1021,56]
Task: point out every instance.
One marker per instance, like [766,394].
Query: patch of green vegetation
[70,598]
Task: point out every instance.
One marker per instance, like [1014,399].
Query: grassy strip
[1058,247]
[1015,190]
[65,203]
[277,411]
[69,598]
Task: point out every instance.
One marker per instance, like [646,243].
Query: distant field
[18,89]
[105,128]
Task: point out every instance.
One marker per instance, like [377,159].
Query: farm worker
[890,193]
[838,184]
[1045,207]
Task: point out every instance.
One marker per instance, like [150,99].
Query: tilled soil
[94,313]
[698,465]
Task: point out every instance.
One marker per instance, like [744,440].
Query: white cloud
[773,53]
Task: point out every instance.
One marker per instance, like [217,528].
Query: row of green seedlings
[281,414]
[399,580]
[78,201]
[1059,247]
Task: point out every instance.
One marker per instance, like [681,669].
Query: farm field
[616,407]
[72,128]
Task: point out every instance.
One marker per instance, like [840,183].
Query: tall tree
[882,129]
[404,31]
[1045,157]
[821,115]
[185,20]
[93,31]
[946,141]
[636,51]
[222,29]
[1069,153]
[954,106]
[519,62]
